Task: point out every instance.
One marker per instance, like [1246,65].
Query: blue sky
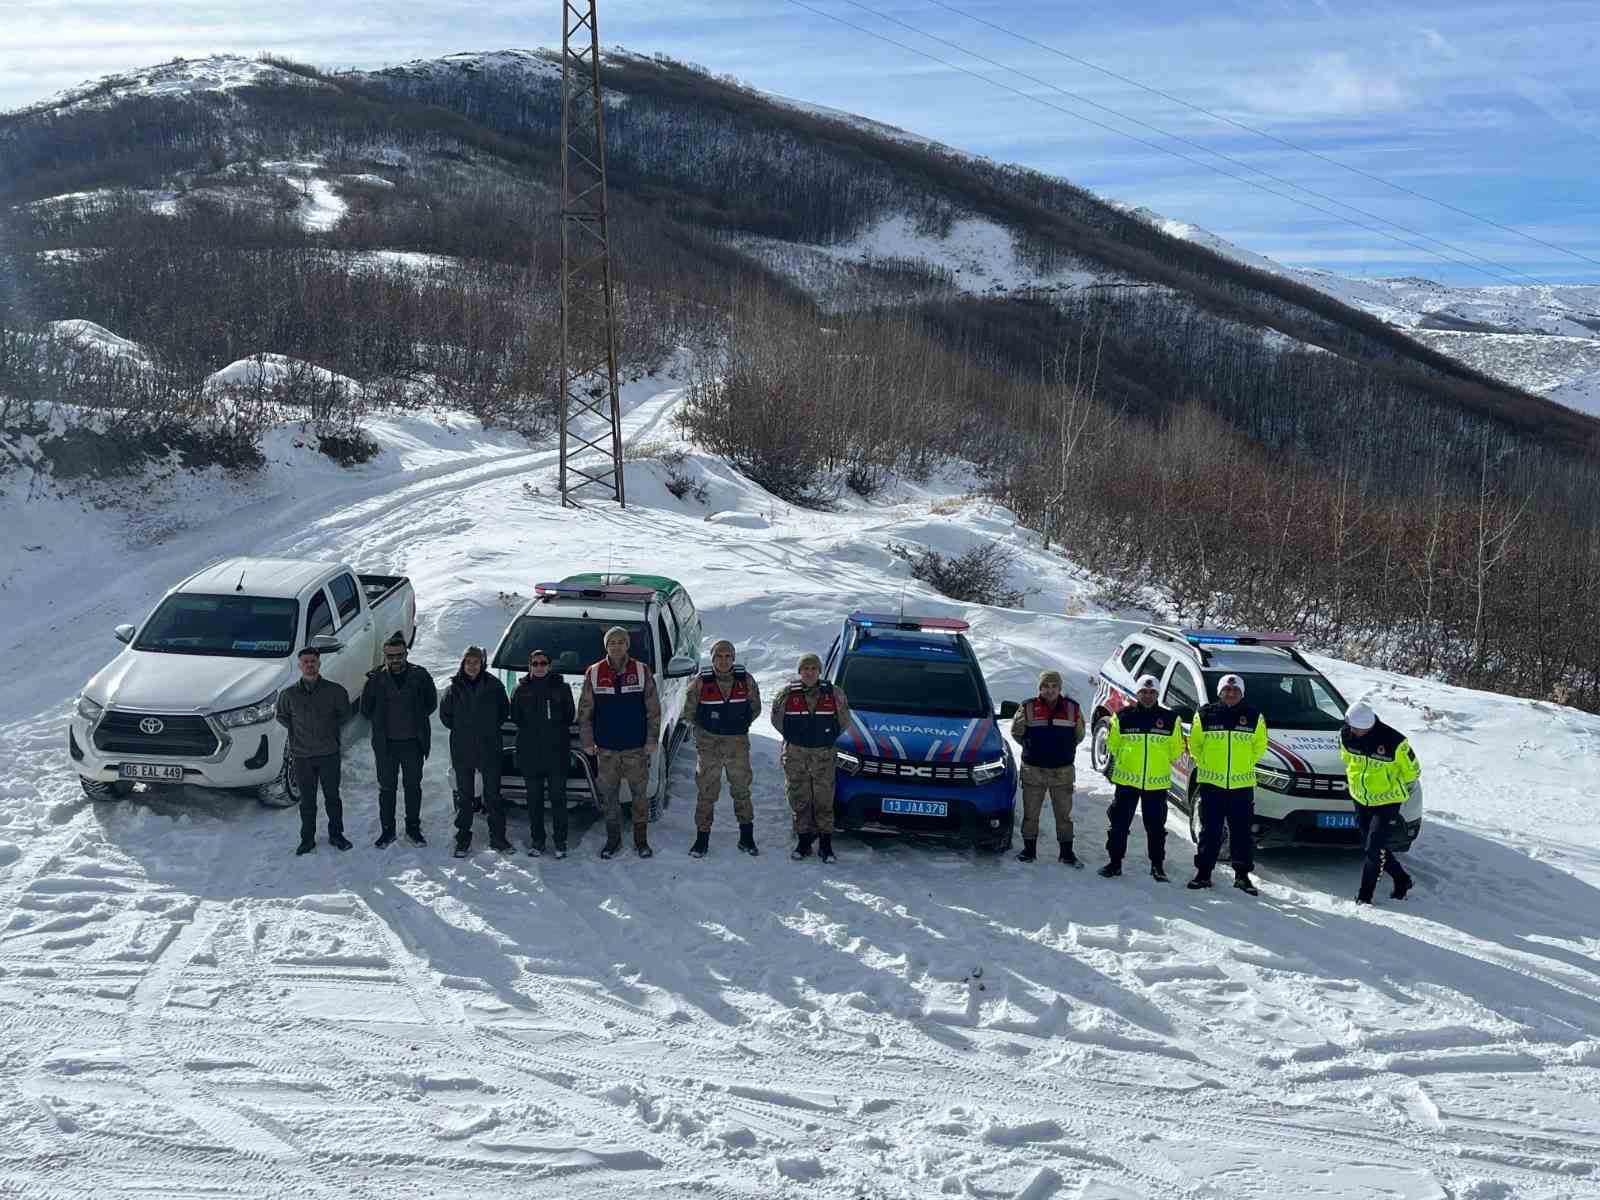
[1492,107]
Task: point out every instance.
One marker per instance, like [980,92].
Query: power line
[1497,271]
[1282,141]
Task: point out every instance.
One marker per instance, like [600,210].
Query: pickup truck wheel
[116,789]
[1099,746]
[284,791]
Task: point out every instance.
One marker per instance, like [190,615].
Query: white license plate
[155,772]
[918,808]
[1336,821]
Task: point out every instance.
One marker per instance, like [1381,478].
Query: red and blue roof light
[868,620]
[1223,637]
[577,591]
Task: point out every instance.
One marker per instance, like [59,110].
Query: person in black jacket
[543,711]
[473,709]
[398,700]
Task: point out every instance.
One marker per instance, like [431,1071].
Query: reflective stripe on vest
[1051,738]
[727,715]
[620,720]
[802,726]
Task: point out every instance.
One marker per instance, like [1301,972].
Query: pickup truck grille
[178,737]
[915,772]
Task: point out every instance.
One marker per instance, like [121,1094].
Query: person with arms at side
[809,714]
[314,710]
[473,709]
[1143,741]
[543,711]
[1226,740]
[1380,768]
[398,700]
[719,708]
[619,723]
[1049,728]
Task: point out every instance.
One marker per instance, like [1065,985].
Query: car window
[1290,700]
[319,616]
[1155,663]
[346,596]
[572,644]
[230,625]
[683,609]
[667,640]
[1180,695]
[912,686]
[833,654]
[1131,655]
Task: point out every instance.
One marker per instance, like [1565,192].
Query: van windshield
[1288,701]
[571,644]
[875,683]
[229,625]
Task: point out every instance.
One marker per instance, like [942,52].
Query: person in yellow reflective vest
[1226,740]
[1380,768]
[1143,741]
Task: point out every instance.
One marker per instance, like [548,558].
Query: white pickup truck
[190,700]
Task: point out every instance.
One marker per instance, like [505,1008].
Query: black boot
[641,840]
[747,839]
[825,848]
[802,846]
[1067,856]
[1369,883]
[306,847]
[1111,870]
[414,836]
[702,843]
[1158,873]
[1402,885]
[386,838]
[1030,850]
[339,841]
[1241,880]
[1202,879]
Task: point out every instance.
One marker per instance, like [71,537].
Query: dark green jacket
[416,689]
[313,714]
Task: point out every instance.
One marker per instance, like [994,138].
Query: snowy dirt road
[189,1010]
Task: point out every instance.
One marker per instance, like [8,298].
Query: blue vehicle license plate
[918,808]
[1336,820]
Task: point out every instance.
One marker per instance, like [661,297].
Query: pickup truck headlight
[88,709]
[250,714]
[849,763]
[989,771]
[1278,781]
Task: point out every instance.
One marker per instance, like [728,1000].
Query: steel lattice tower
[591,418]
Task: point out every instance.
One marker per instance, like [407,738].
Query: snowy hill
[191,1010]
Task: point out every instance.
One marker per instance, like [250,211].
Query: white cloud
[1329,85]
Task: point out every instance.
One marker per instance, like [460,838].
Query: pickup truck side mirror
[124,634]
[327,643]
[1008,709]
[682,666]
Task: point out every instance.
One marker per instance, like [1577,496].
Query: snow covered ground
[187,1009]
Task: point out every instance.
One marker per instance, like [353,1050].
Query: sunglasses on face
[539,662]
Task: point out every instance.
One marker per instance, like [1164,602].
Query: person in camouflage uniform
[1049,728]
[720,707]
[809,714]
[619,722]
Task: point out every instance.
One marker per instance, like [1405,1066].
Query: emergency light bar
[1221,637]
[893,621]
[578,591]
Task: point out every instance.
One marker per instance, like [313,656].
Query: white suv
[1301,798]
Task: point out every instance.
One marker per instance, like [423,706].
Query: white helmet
[1360,716]
[1228,681]
[1146,681]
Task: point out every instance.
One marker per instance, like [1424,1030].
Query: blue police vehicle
[923,751]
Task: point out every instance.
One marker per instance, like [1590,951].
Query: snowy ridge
[180,78]
[189,1009]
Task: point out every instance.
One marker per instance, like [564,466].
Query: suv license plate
[918,808]
[1336,821]
[158,772]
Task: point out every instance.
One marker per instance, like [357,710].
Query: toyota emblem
[152,725]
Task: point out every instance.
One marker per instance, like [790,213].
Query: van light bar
[894,621]
[592,592]
[1221,637]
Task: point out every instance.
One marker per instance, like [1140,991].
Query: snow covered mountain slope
[1542,338]
[188,1009]
[215,74]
